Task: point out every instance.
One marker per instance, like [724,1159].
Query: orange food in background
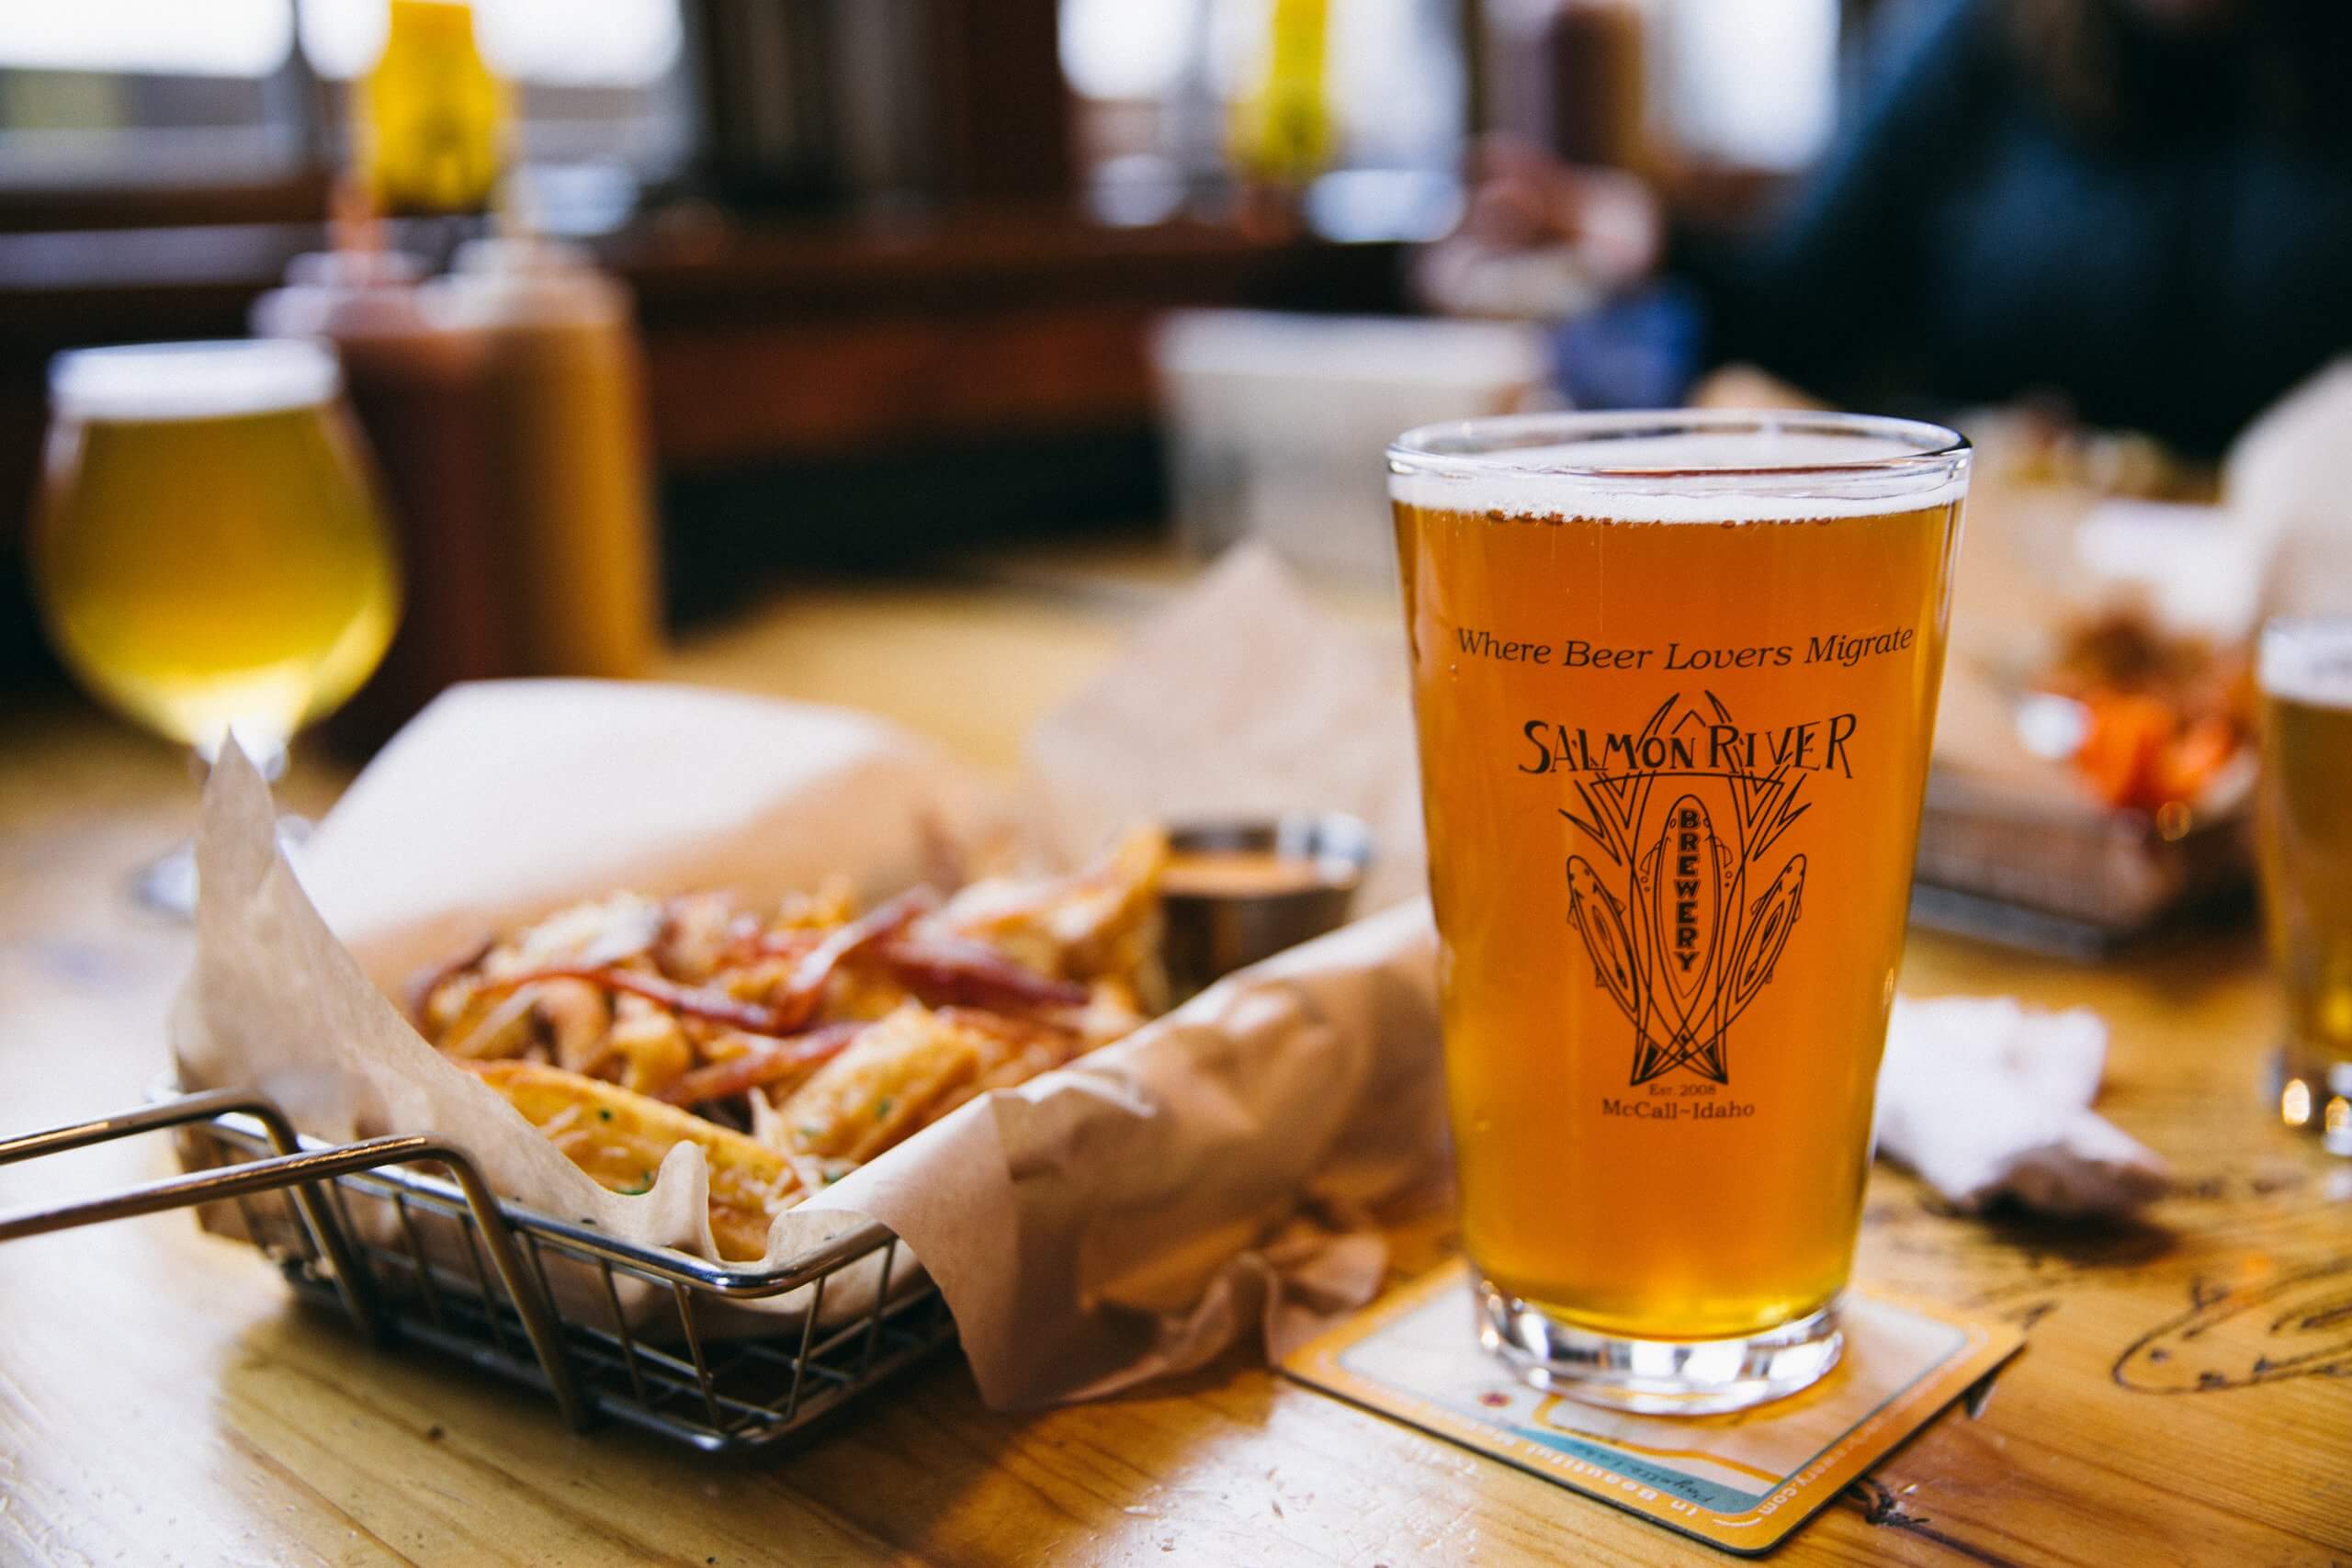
[2163,714]
[2140,751]
[2125,736]
[2196,754]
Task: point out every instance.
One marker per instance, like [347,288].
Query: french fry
[884,1085]
[621,1138]
[610,1023]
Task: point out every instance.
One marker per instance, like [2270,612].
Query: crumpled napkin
[1986,1098]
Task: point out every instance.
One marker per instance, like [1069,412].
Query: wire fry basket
[2065,875]
[404,1236]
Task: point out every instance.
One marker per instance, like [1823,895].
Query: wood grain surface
[161,1400]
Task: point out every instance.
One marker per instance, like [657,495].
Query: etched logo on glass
[1682,916]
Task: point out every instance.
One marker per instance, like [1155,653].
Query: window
[221,38]
[1156,82]
[599,80]
[100,89]
[174,91]
[600,43]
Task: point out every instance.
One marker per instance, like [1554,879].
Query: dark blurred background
[895,261]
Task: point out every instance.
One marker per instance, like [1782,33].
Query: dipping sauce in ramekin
[1236,892]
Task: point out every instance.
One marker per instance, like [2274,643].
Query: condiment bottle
[431,125]
[565,410]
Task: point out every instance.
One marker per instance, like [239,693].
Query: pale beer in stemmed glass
[207,549]
[1675,677]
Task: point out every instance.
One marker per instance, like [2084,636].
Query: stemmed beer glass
[208,552]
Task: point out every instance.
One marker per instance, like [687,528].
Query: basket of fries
[700,1060]
[787,1043]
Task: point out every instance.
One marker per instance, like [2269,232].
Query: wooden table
[161,1401]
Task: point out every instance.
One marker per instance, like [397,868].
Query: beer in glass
[1675,676]
[2305,812]
[208,551]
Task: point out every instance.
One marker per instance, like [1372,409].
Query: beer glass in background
[206,549]
[2305,672]
[1675,676]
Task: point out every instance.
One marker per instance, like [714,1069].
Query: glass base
[2313,1093]
[166,885]
[1657,1376]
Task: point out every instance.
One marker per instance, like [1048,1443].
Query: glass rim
[197,379]
[2325,623]
[1482,447]
[2306,658]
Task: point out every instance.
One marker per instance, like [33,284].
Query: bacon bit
[694,1002]
[802,992]
[950,970]
[765,1063]
[748,941]
[807,987]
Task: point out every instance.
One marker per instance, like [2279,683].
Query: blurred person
[2143,207]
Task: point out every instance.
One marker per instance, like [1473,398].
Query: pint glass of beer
[2305,814]
[1675,676]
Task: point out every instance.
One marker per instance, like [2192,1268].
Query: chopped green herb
[642,1184]
[882,1108]
[606,1112]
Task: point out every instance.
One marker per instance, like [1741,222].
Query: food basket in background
[402,1234]
[2094,768]
[2066,874]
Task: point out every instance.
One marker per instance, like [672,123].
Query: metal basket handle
[299,1169]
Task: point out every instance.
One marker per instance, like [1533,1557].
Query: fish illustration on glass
[1666,912]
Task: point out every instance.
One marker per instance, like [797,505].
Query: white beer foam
[1651,478]
[193,381]
[2308,662]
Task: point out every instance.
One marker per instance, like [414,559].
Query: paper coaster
[1739,1482]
